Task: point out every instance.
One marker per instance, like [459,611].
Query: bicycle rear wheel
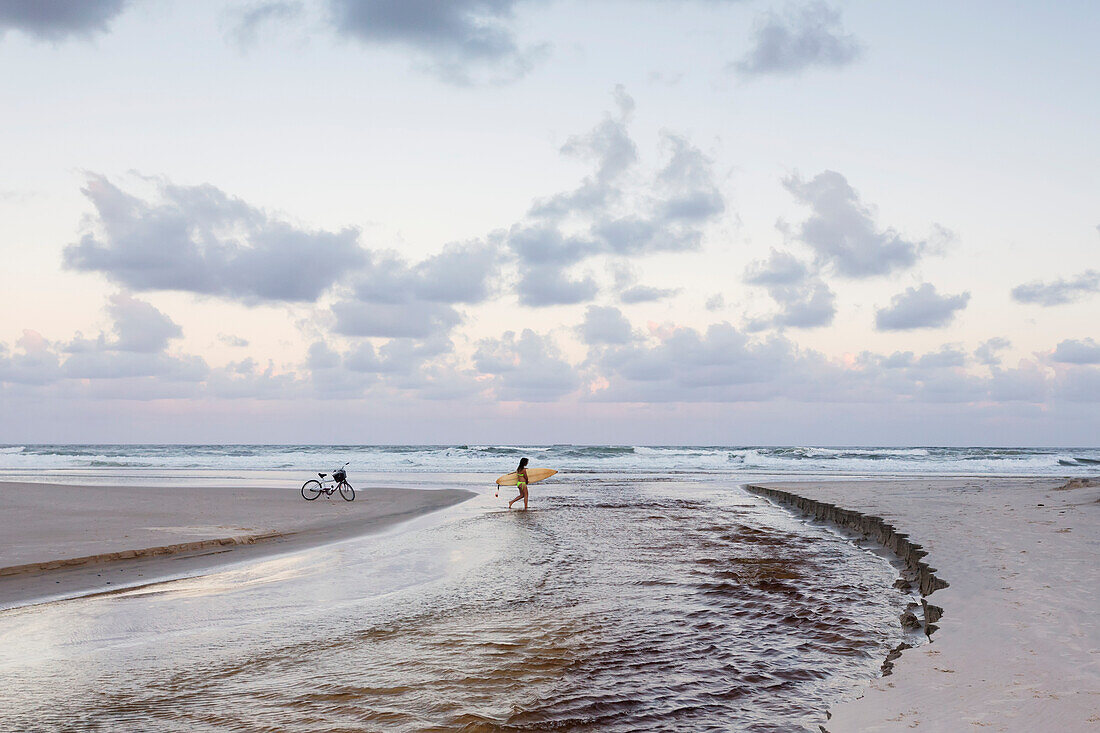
[311,490]
[346,491]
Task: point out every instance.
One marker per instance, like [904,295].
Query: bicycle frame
[328,485]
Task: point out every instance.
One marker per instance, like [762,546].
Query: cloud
[457,38]
[1079,384]
[116,364]
[645,294]
[198,239]
[987,354]
[1059,291]
[133,348]
[721,364]
[946,357]
[610,146]
[56,20]
[1071,351]
[460,273]
[394,299]
[809,37]
[842,232]
[36,364]
[805,300]
[616,211]
[546,285]
[630,292]
[415,319]
[605,325]
[232,340]
[248,21]
[139,326]
[920,307]
[401,367]
[529,368]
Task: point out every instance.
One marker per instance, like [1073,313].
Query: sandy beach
[72,540]
[1018,645]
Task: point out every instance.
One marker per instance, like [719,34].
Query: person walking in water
[521,484]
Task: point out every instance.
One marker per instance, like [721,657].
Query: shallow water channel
[625,603]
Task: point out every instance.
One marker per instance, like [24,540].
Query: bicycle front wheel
[347,492]
[311,490]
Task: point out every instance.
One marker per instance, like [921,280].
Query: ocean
[28,462]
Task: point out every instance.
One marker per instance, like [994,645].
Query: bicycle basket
[340,475]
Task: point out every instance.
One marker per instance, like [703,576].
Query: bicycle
[339,482]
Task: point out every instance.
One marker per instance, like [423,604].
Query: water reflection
[614,605]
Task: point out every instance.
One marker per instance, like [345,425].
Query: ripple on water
[615,607]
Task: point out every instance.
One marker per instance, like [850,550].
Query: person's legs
[524,492]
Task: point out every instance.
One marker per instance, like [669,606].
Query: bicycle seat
[322,475]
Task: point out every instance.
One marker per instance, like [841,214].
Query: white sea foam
[494,459]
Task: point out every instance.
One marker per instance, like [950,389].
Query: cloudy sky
[513,221]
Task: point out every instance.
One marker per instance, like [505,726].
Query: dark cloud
[456,37]
[605,325]
[842,231]
[1059,292]
[1072,351]
[809,37]
[805,300]
[55,20]
[987,354]
[199,239]
[920,307]
[529,368]
[248,21]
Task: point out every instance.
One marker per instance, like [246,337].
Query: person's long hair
[522,464]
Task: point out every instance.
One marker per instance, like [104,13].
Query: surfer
[521,484]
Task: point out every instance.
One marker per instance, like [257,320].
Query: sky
[717,222]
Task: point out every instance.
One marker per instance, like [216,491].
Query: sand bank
[1014,564]
[72,540]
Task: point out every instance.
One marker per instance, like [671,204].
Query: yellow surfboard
[534,475]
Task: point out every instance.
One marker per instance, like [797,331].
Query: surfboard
[534,475]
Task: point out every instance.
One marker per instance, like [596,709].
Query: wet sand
[63,541]
[1018,645]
